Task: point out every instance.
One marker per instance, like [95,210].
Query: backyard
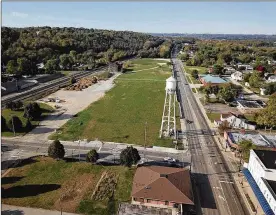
[43,182]
[133,106]
[189,69]
[7,113]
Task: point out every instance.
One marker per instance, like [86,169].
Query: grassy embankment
[42,182]
[121,115]
[7,113]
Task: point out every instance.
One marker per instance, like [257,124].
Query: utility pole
[145,134]
[79,150]
[13,126]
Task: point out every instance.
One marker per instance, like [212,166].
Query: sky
[151,17]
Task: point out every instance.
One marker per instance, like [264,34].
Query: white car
[169,159]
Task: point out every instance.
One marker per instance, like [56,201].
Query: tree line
[71,48]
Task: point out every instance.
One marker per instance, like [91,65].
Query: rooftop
[249,104]
[213,79]
[163,183]
[257,139]
[272,185]
[268,158]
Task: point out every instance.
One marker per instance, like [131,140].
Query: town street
[213,182]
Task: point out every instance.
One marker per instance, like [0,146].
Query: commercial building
[265,141]
[213,80]
[162,187]
[261,175]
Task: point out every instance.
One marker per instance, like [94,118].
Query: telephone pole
[145,134]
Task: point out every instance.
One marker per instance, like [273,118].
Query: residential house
[271,79]
[246,66]
[260,173]
[235,121]
[249,106]
[162,187]
[229,70]
[237,76]
[213,80]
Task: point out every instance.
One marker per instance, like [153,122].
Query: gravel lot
[75,101]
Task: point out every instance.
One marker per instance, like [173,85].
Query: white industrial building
[261,175]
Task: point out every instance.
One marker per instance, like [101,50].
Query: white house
[261,175]
[234,121]
[237,76]
[271,79]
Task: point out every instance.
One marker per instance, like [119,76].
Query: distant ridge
[220,36]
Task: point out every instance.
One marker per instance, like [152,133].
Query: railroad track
[48,87]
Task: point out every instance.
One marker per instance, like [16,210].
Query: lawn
[120,116]
[7,113]
[189,69]
[41,182]
[213,116]
[201,70]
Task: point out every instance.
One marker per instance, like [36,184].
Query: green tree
[184,56]
[226,94]
[66,61]
[56,150]
[52,66]
[245,146]
[246,77]
[24,65]
[129,156]
[32,111]
[194,74]
[92,156]
[255,79]
[15,123]
[73,80]
[267,116]
[12,67]
[217,69]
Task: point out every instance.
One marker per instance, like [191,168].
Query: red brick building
[162,186]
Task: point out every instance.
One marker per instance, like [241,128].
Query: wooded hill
[24,48]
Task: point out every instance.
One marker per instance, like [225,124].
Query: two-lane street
[213,181]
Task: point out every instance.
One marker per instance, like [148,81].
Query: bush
[15,123]
[3,124]
[56,150]
[129,156]
[194,74]
[32,111]
[14,105]
[92,156]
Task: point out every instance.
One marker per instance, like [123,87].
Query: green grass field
[120,116]
[201,70]
[40,182]
[7,113]
[213,116]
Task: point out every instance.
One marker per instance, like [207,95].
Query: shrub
[28,125]
[56,150]
[194,74]
[32,111]
[15,123]
[92,156]
[129,156]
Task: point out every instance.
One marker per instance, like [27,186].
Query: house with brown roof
[162,187]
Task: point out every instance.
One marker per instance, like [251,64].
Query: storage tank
[170,85]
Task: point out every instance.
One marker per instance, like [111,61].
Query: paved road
[12,151]
[214,184]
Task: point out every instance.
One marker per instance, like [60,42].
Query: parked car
[169,159]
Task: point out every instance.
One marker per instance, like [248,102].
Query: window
[148,201]
[166,203]
[134,199]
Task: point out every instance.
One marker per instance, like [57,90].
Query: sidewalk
[16,210]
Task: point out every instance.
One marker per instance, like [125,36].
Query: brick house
[162,187]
